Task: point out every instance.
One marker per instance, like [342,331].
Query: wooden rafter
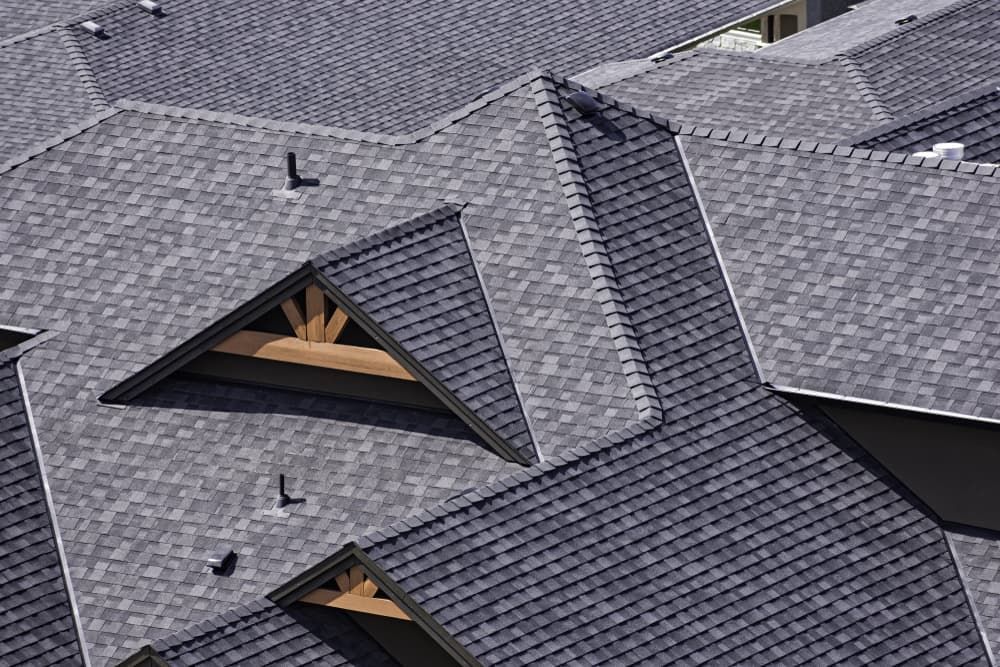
[336,325]
[357,593]
[263,345]
[295,318]
[315,314]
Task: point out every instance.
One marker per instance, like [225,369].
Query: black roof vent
[292,178]
[584,103]
[220,560]
[663,56]
[283,500]
[906,19]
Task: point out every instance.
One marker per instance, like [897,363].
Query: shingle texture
[18,17]
[731,532]
[36,620]
[419,283]
[747,92]
[978,557]
[866,22]
[40,92]
[860,277]
[972,119]
[938,56]
[369,64]
[261,633]
[145,229]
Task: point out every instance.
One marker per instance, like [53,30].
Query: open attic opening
[308,343]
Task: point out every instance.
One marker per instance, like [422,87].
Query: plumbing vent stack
[153,8]
[950,150]
[292,179]
[94,28]
[283,498]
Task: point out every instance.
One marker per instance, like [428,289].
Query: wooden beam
[369,588]
[336,325]
[315,315]
[357,579]
[351,602]
[262,345]
[343,582]
[295,318]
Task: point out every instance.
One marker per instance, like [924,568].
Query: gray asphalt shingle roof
[972,119]
[936,57]
[371,65]
[17,17]
[742,91]
[867,21]
[733,530]
[863,275]
[260,633]
[978,557]
[419,283]
[36,617]
[146,228]
[41,93]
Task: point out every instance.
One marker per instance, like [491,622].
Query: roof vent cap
[153,8]
[950,150]
[906,19]
[94,28]
[221,560]
[584,103]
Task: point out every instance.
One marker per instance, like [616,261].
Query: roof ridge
[840,150]
[901,30]
[591,239]
[78,60]
[859,78]
[363,243]
[30,34]
[329,131]
[41,147]
[928,112]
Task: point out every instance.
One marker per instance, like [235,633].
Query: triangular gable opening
[350,582]
[400,316]
[309,343]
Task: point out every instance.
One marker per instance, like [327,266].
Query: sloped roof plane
[865,275]
[37,621]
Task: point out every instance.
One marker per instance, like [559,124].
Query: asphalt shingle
[144,229]
[744,91]
[36,618]
[870,276]
[419,283]
[261,633]
[371,65]
[735,530]
[972,119]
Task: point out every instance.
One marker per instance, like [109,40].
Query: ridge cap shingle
[929,113]
[66,135]
[839,150]
[598,263]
